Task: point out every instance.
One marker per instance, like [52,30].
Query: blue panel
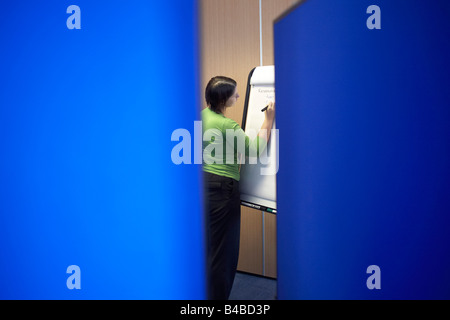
[86,174]
[364,178]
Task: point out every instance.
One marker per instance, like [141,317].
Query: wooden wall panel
[229,44]
[251,244]
[270,245]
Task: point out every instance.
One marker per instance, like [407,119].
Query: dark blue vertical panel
[364,178]
[86,176]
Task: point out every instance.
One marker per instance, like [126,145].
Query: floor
[251,287]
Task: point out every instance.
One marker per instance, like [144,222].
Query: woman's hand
[268,121]
[270,111]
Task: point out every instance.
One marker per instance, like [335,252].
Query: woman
[222,182]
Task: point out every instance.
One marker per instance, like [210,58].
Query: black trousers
[223,222]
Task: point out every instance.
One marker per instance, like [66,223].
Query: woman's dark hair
[218,91]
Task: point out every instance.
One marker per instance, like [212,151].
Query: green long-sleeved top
[215,147]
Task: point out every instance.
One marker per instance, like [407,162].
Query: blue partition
[86,176]
[364,178]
